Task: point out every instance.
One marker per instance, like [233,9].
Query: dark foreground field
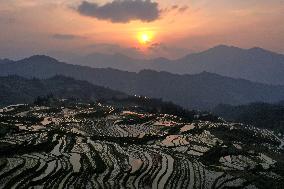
[97,146]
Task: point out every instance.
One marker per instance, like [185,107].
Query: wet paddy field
[97,146]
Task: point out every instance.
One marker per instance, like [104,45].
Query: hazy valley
[254,64]
[200,91]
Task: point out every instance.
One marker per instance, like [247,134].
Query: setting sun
[145,37]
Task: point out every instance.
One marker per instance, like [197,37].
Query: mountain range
[255,64]
[15,89]
[261,115]
[199,91]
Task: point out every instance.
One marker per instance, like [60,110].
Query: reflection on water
[75,161]
[136,164]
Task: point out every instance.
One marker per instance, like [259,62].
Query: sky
[137,28]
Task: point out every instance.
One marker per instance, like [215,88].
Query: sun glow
[145,37]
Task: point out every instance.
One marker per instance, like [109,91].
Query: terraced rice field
[96,146]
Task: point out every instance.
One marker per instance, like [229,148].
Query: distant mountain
[15,89]
[253,64]
[201,91]
[261,115]
[121,62]
[116,61]
[2,61]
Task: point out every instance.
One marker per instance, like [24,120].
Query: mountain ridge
[59,86]
[254,64]
[201,91]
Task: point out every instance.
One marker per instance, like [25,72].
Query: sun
[145,37]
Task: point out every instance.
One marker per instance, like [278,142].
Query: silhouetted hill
[262,115]
[255,64]
[3,61]
[15,89]
[200,91]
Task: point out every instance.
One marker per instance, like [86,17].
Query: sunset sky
[137,28]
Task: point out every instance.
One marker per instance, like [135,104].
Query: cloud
[183,8]
[121,11]
[6,17]
[107,48]
[154,50]
[66,36]
[176,8]
[164,50]
[9,20]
